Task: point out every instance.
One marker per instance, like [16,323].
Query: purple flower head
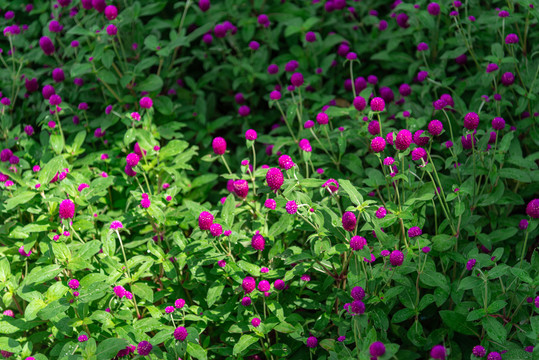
[67,209]
[479,351]
[422,46]
[511,39]
[297,79]
[73,284]
[205,220]
[45,43]
[403,140]
[274,178]
[278,284]
[112,30]
[264,286]
[420,140]
[241,188]
[523,224]
[378,144]
[492,67]
[305,145]
[532,209]
[83,338]
[180,333]
[508,78]
[144,348]
[310,36]
[414,231]
[24,253]
[396,258]
[116,225]
[244,111]
[255,322]
[381,212]
[216,229]
[322,118]
[111,12]
[246,301]
[219,145]
[179,303]
[357,307]
[285,162]
[378,104]
[438,352]
[312,342]
[263,20]
[357,242]
[374,127]
[435,127]
[349,221]
[258,242]
[470,264]
[494,356]
[377,349]
[357,293]
[471,121]
[270,204]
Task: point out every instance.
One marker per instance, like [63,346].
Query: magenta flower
[349,221]
[378,104]
[264,285]
[146,103]
[305,145]
[255,322]
[403,140]
[274,178]
[24,253]
[435,127]
[438,352]
[179,303]
[381,212]
[532,209]
[377,349]
[169,309]
[180,333]
[216,229]
[251,134]
[219,145]
[116,225]
[111,12]
[291,207]
[312,342]
[67,209]
[46,45]
[396,258]
[144,348]
[132,159]
[357,243]
[83,338]
[248,284]
[378,144]
[322,118]
[73,284]
[471,121]
[470,264]
[270,204]
[258,242]
[205,220]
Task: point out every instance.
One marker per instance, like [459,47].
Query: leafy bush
[138,219]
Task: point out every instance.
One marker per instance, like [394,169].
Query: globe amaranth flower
[82,187]
[378,144]
[251,135]
[422,46]
[433,9]
[45,43]
[360,103]
[24,253]
[322,118]
[403,139]
[179,303]
[332,185]
[144,348]
[357,242]
[471,121]
[377,348]
[523,224]
[532,209]
[169,309]
[378,104]
[116,225]
[305,145]
[241,188]
[67,209]
[216,229]
[244,110]
[270,204]
[273,69]
[219,145]
[297,79]
[73,284]
[180,333]
[146,102]
[414,231]
[494,356]
[396,258]
[349,221]
[357,293]
[470,264]
[205,220]
[83,338]
[132,159]
[479,351]
[381,212]
[112,30]
[275,95]
[507,78]
[492,67]
[310,36]
[291,207]
[435,127]
[264,286]
[438,352]
[255,322]
[498,123]
[111,12]
[274,178]
[246,301]
[279,284]
[312,342]
[511,39]
[285,162]
[357,307]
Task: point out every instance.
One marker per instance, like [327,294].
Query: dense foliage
[395,215]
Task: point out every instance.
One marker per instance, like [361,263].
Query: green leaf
[143,291]
[214,292]
[494,329]
[434,279]
[54,308]
[41,274]
[107,349]
[10,345]
[352,192]
[151,83]
[5,270]
[30,313]
[456,321]
[196,351]
[243,344]
[469,282]
[443,242]
[516,174]
[250,268]
[57,143]
[20,198]
[164,105]
[228,210]
[402,315]
[496,306]
[79,140]
[173,148]
[89,249]
[522,275]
